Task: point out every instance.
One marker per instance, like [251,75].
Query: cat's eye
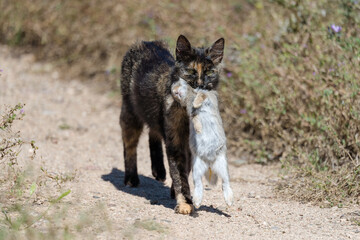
[191,71]
[209,72]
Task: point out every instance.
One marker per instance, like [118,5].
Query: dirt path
[77,128]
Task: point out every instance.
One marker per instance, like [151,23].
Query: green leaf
[61,196]
[32,188]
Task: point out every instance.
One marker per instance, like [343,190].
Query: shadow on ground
[211,209]
[152,190]
[149,188]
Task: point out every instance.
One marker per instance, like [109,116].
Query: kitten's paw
[229,197]
[184,208]
[196,201]
[197,196]
[131,180]
[197,204]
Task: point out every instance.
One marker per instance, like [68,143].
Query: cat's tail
[211,176]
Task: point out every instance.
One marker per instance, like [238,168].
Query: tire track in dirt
[76,128]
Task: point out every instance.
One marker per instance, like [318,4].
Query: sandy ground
[76,128]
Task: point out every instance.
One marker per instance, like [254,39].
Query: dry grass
[290,89]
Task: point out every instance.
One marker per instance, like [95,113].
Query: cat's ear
[216,51]
[183,48]
[199,99]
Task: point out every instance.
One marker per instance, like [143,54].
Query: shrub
[21,188]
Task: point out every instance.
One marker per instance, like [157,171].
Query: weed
[31,199]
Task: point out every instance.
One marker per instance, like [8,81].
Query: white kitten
[207,138]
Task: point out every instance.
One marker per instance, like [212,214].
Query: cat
[207,138]
[147,73]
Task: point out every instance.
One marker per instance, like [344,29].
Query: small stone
[251,195]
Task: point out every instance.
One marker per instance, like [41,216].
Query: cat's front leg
[177,150]
[179,175]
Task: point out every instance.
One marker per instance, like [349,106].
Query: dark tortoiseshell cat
[148,70]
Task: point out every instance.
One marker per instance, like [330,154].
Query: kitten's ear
[216,51]
[199,99]
[183,48]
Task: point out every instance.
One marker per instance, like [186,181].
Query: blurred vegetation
[290,89]
[31,204]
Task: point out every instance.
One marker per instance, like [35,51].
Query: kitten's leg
[221,168]
[156,155]
[199,168]
[131,130]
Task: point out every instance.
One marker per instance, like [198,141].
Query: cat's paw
[159,173]
[131,180]
[184,208]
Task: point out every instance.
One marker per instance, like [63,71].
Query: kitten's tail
[211,177]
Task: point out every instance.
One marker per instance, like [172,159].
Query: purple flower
[22,111]
[243,111]
[229,74]
[331,69]
[314,73]
[335,28]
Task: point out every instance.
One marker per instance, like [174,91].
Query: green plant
[18,187]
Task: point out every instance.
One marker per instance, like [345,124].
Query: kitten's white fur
[207,144]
